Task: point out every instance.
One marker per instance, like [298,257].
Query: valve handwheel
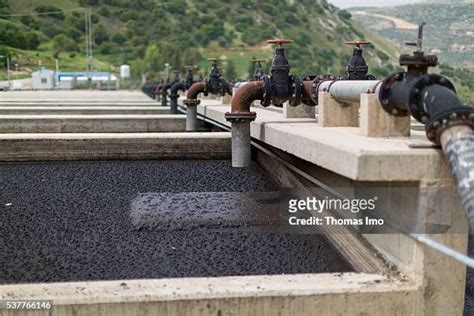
[279,41]
[258,60]
[357,43]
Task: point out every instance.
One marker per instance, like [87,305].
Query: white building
[125,71]
[43,79]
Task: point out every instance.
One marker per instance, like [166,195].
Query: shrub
[345,15]
[104,11]
[62,43]
[51,11]
[119,39]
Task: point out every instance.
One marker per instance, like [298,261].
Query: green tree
[152,58]
[62,43]
[119,39]
[100,34]
[104,11]
[50,10]
[137,68]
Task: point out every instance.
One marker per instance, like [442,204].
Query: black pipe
[432,100]
[174,96]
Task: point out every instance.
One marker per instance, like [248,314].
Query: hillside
[449,31]
[149,33]
[448,34]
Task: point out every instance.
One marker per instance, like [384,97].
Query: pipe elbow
[166,87]
[228,88]
[158,88]
[195,89]
[246,95]
[175,88]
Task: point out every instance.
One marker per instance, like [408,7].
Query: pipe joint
[442,121]
[417,93]
[391,94]
[241,117]
[311,86]
[191,102]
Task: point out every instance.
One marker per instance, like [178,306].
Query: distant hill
[148,33]
[449,31]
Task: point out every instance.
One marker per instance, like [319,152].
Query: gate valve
[357,68]
[189,80]
[258,72]
[176,76]
[280,86]
[431,99]
[418,63]
[216,84]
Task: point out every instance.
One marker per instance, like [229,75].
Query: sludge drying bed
[72,222]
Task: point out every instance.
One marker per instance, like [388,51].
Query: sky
[369,3]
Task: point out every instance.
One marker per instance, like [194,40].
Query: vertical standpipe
[174,105]
[241,146]
[191,117]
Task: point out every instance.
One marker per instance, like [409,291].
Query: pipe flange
[384,94]
[452,117]
[191,102]
[308,102]
[414,96]
[316,83]
[267,91]
[297,93]
[328,89]
[240,117]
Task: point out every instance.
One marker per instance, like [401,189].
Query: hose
[458,147]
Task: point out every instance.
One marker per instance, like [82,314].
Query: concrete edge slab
[146,290]
[343,150]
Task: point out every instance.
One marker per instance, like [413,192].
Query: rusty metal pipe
[307,94]
[240,118]
[246,94]
[174,96]
[191,103]
[158,90]
[195,89]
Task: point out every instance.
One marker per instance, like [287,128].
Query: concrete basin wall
[60,147]
[81,110]
[92,123]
